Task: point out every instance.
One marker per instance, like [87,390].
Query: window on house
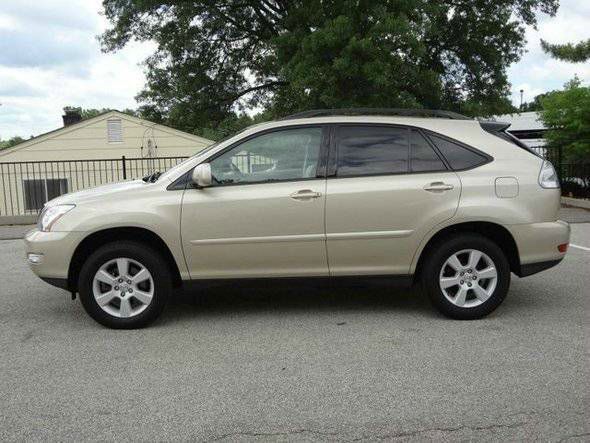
[114,130]
[34,191]
[37,192]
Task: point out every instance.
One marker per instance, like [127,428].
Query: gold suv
[423,196]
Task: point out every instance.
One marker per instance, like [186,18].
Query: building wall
[89,141]
[81,156]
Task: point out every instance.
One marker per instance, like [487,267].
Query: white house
[84,153]
[526,126]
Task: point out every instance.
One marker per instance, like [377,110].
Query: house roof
[524,121]
[105,115]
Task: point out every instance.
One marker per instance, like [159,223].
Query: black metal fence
[575,179]
[26,186]
[574,176]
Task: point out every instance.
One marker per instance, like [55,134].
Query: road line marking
[584,248]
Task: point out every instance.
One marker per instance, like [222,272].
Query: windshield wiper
[152,178]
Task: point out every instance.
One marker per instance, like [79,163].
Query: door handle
[438,187]
[305,194]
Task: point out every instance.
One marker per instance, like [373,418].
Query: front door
[264,214]
[388,188]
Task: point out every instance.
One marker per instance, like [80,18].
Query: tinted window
[422,156]
[56,187]
[34,191]
[368,150]
[457,156]
[283,155]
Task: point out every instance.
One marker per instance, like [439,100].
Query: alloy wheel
[468,278]
[123,287]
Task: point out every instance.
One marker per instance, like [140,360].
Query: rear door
[387,187]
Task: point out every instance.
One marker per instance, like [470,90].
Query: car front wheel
[124,285]
[467,276]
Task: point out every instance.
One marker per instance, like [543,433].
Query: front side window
[372,150]
[289,154]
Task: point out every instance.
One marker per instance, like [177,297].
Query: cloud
[44,47]
[69,14]
[50,58]
[14,87]
[537,72]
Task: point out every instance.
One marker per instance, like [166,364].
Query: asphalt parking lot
[299,364]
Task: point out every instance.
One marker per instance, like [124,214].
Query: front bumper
[538,243]
[49,253]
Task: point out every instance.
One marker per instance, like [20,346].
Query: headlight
[51,214]
[548,177]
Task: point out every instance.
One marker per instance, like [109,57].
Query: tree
[569,52]
[5,144]
[216,57]
[91,112]
[535,105]
[567,116]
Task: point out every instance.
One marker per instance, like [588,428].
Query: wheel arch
[493,231]
[99,238]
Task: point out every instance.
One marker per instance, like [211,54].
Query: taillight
[563,247]
[548,177]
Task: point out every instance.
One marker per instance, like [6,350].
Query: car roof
[434,124]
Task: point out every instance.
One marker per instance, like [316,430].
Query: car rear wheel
[124,285]
[466,276]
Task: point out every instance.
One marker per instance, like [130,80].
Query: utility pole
[521,95]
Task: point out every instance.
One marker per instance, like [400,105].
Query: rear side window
[458,157]
[372,150]
[422,157]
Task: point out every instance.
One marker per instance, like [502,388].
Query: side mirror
[202,175]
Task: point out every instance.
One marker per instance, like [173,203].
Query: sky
[50,58]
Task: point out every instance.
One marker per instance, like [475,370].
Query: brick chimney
[71,117]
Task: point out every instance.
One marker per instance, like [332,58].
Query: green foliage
[215,58]
[91,112]
[5,144]
[567,116]
[569,52]
[535,105]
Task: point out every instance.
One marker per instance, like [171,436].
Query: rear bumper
[538,243]
[533,268]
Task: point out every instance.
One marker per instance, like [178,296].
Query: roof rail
[431,113]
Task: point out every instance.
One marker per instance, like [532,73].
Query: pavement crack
[238,434]
[442,429]
[569,437]
[272,434]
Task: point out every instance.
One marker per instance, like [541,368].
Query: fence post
[124,168]
[560,165]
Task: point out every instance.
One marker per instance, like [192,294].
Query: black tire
[444,249]
[146,256]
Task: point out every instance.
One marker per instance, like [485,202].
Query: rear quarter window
[457,156]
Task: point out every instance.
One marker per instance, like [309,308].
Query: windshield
[173,170]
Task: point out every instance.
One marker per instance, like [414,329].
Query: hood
[98,192]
